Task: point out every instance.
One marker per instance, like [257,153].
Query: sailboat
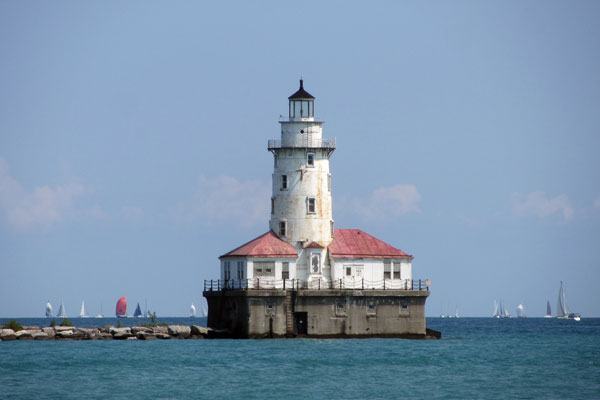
[138,311]
[121,310]
[61,311]
[48,309]
[495,314]
[82,313]
[101,315]
[192,310]
[562,312]
[204,312]
[456,312]
[521,311]
[548,310]
[501,312]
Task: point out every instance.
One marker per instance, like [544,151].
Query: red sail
[122,307]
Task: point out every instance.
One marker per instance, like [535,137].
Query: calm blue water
[478,358]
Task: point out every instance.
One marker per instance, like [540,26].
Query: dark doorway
[301,323]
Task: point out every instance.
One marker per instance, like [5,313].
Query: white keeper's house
[304,276]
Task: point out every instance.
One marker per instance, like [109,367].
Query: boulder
[136,329]
[87,333]
[104,336]
[198,330]
[65,334]
[160,329]
[24,335]
[179,331]
[63,328]
[121,333]
[49,331]
[163,336]
[41,335]
[7,334]
[142,335]
[32,328]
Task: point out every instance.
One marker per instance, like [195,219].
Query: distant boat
[138,311]
[456,313]
[562,312]
[122,308]
[548,310]
[204,312]
[148,314]
[496,314]
[521,311]
[101,315]
[82,313]
[48,309]
[500,311]
[61,311]
[192,310]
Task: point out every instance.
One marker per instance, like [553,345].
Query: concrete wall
[329,313]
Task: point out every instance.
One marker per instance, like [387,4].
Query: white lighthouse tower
[301,201]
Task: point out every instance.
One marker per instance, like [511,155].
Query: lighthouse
[305,277]
[301,211]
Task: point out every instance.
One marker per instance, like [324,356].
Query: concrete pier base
[264,313]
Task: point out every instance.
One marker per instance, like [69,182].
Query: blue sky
[133,144]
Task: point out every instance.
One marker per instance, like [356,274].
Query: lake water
[531,358]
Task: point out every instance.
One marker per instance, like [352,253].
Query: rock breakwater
[107,333]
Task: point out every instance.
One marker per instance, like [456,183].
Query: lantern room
[302,105]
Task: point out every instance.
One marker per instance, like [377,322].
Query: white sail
[548,310]
[82,313]
[520,311]
[61,311]
[495,314]
[561,305]
[192,310]
[48,309]
[203,312]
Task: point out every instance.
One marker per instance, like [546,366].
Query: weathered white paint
[371,272]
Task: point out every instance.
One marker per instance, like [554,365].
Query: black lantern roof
[301,93]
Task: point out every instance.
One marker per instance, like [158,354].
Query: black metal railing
[266,283]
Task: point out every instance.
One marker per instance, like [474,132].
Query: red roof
[267,245]
[314,245]
[354,243]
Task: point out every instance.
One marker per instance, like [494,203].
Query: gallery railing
[303,143]
[317,284]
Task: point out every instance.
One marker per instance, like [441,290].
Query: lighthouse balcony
[315,284]
[303,143]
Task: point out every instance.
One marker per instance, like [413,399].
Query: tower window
[329,182]
[387,270]
[331,226]
[284,182]
[285,270]
[275,160]
[282,226]
[310,159]
[272,205]
[311,207]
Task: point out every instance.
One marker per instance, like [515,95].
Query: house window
[396,270]
[284,182]
[282,226]
[272,205]
[240,270]
[227,270]
[311,207]
[285,270]
[264,268]
[348,271]
[387,270]
[315,263]
[310,159]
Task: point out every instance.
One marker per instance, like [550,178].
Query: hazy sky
[133,143]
